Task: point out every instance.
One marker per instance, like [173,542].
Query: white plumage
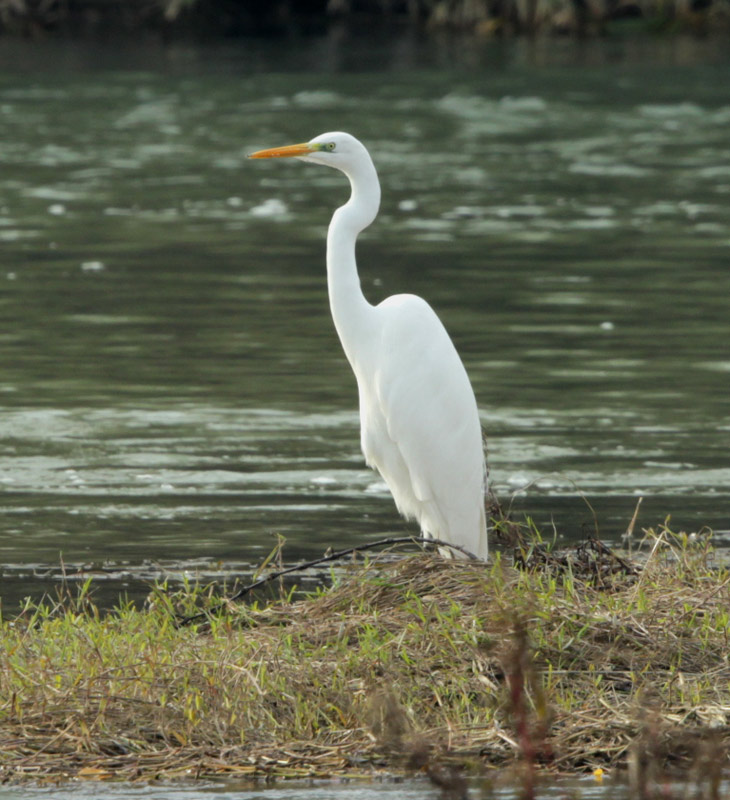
[419,420]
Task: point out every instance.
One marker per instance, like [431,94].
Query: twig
[601,548]
[629,533]
[324,560]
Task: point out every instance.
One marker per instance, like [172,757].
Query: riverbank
[486,18]
[570,662]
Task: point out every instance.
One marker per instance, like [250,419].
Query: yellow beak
[290,151]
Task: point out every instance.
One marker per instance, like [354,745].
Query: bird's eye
[330,146]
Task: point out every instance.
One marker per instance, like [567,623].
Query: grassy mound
[571,662]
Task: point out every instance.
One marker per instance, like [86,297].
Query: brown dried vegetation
[566,662]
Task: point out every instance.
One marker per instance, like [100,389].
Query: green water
[172,392]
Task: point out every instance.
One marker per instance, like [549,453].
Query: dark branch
[325,560]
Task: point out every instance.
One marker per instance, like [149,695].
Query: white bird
[419,421]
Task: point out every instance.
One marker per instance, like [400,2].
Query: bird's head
[336,149]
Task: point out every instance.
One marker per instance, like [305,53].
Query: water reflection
[172,387]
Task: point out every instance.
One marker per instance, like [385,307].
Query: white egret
[419,421]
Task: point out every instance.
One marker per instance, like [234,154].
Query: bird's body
[419,421]
[420,427]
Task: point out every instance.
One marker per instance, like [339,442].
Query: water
[414,789]
[172,392]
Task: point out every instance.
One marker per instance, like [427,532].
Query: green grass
[567,662]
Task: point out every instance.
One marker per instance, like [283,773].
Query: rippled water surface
[418,789]
[172,392]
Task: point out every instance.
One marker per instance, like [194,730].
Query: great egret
[419,421]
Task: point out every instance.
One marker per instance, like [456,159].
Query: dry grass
[565,663]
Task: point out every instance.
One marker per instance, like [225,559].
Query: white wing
[420,424]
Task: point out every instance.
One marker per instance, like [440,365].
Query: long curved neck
[351,312]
